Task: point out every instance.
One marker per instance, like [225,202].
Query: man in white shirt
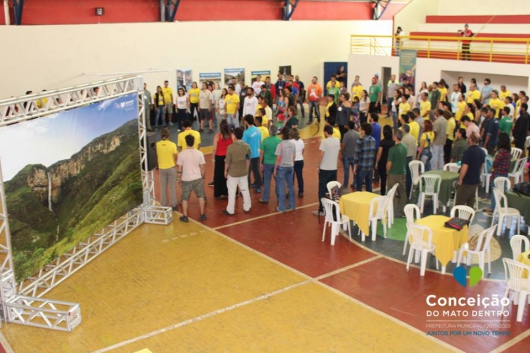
[216,94]
[327,166]
[454,98]
[205,104]
[256,85]
[250,103]
[237,86]
[190,176]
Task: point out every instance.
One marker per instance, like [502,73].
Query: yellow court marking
[264,216]
[512,342]
[145,350]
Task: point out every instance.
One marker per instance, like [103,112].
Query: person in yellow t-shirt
[504,93]
[443,92]
[472,94]
[414,129]
[263,129]
[356,90]
[194,94]
[336,132]
[332,81]
[166,153]
[232,106]
[264,120]
[182,145]
[496,103]
[168,98]
[425,106]
[469,111]
[404,106]
[460,108]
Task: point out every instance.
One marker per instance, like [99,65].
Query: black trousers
[254,168]
[324,177]
[381,168]
[447,150]
[219,180]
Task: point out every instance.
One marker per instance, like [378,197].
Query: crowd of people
[436,126]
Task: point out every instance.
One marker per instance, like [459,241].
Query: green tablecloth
[522,203]
[448,178]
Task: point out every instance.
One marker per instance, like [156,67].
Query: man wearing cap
[466,33]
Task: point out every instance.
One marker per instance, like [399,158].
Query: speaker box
[152,139]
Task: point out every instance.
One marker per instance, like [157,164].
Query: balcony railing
[507,50]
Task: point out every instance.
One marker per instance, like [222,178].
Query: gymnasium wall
[48,57]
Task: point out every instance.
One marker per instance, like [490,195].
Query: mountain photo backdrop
[67,176]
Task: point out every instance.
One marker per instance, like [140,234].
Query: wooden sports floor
[258,282]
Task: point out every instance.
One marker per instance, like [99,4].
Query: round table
[356,206]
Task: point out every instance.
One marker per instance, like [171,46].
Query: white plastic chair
[378,210]
[412,212]
[527,144]
[331,185]
[334,219]
[502,184]
[514,272]
[518,171]
[516,243]
[481,248]
[390,194]
[452,167]
[516,152]
[429,186]
[486,173]
[504,211]
[485,151]
[464,212]
[416,169]
[418,243]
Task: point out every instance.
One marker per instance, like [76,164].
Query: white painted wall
[414,14]
[483,7]
[515,76]
[48,57]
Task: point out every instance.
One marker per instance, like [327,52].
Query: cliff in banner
[52,209]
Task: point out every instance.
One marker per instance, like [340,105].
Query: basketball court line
[512,342]
[275,213]
[308,280]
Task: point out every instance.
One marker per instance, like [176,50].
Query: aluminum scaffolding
[22,303]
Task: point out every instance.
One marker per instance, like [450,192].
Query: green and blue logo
[460,275]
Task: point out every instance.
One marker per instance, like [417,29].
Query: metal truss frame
[22,303]
[289,8]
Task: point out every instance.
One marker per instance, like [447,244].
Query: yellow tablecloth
[447,240]
[523,258]
[356,207]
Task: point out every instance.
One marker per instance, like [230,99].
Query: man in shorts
[190,176]
[205,104]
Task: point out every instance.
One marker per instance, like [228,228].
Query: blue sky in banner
[58,136]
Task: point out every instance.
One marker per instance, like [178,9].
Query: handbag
[522,189]
[456,223]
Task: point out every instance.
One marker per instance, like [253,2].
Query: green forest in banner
[52,209]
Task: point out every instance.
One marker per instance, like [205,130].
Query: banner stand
[22,303]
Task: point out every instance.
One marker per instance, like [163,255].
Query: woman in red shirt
[221,142]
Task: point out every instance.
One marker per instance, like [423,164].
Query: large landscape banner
[67,176]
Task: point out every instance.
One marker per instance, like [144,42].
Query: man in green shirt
[506,123]
[375,96]
[396,169]
[268,159]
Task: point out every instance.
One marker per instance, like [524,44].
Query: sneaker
[175,208]
[319,213]
[247,211]
[252,185]
[211,184]
[301,194]
[258,190]
[278,209]
[184,219]
[263,201]
[201,130]
[203,217]
[225,212]
[170,123]
[211,131]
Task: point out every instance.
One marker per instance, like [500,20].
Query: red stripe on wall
[494,19]
[242,10]
[341,11]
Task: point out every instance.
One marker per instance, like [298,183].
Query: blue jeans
[301,101]
[492,204]
[316,106]
[395,120]
[159,116]
[298,169]
[389,101]
[232,121]
[268,170]
[366,177]
[347,162]
[284,176]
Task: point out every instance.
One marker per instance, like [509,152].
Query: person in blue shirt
[252,137]
[485,91]
[376,134]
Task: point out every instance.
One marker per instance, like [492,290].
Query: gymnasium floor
[258,282]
